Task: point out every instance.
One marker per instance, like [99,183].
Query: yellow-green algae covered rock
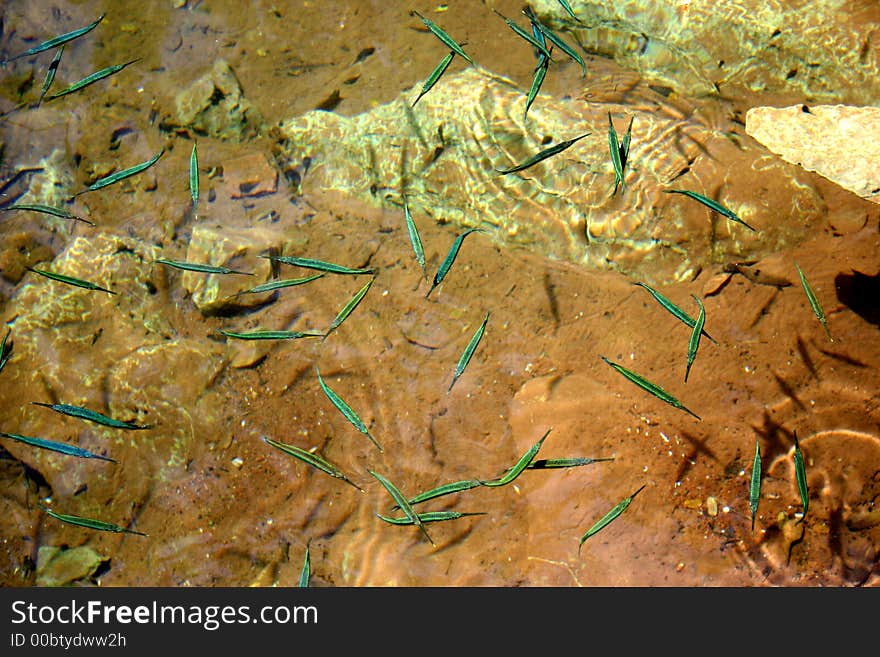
[59,566]
[235,248]
[447,151]
[120,354]
[215,104]
[821,52]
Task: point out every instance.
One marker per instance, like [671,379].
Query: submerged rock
[114,353]
[27,236]
[249,175]
[237,249]
[839,142]
[446,154]
[176,406]
[19,249]
[58,566]
[215,105]
[52,185]
[822,52]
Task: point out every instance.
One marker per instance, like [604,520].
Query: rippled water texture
[308,146]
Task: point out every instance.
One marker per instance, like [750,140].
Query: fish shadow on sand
[861,294]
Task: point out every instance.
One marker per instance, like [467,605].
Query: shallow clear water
[555,270]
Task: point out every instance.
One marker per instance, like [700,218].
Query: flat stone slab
[839,142]
[249,175]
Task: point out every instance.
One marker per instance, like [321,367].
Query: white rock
[839,142]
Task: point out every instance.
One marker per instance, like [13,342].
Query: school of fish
[543,40]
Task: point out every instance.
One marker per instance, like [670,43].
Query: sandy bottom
[233,511]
